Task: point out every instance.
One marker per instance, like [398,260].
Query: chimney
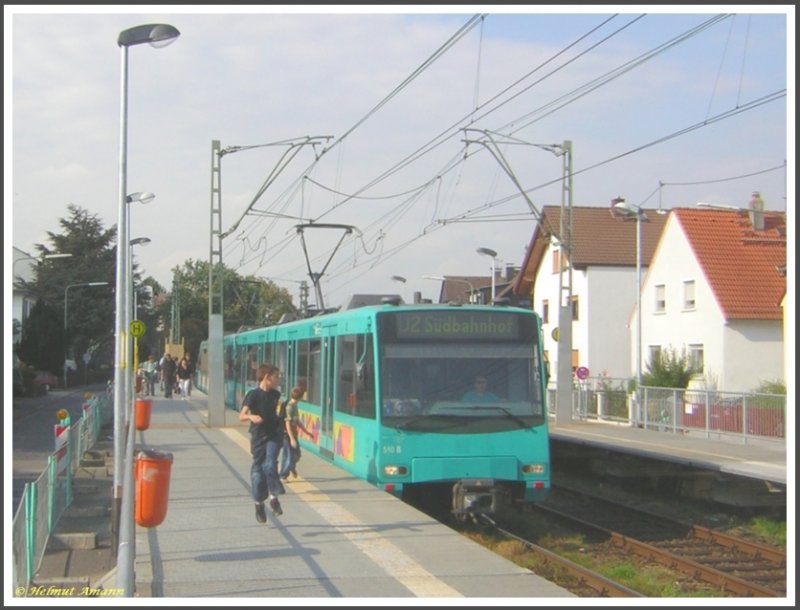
[757,211]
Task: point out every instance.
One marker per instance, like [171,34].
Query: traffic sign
[554,334]
[137,328]
[582,372]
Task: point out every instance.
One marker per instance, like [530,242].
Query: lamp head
[140,241]
[487,252]
[140,197]
[155,34]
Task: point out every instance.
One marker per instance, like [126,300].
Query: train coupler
[473,497]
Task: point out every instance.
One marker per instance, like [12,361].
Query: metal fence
[44,500]
[713,414]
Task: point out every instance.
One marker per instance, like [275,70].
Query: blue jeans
[150,378]
[264,477]
[289,457]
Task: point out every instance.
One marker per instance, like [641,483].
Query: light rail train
[387,397]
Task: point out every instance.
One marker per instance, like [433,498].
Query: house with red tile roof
[603,263]
[715,288]
[713,284]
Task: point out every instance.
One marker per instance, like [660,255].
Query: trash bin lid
[154,455]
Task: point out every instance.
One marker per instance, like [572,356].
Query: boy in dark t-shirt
[261,408]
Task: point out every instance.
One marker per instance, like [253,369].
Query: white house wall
[610,304]
[723,343]
[674,263]
[546,288]
[752,352]
[601,333]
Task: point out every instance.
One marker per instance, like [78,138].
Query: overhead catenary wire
[472,214]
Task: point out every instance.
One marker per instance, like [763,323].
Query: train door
[328,391]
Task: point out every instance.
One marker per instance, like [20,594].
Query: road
[33,435]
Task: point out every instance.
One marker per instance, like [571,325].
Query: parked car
[30,382]
[43,381]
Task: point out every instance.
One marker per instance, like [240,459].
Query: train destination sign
[456,325]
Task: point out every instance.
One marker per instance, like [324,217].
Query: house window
[557,255]
[545,312]
[661,299]
[653,353]
[696,357]
[575,308]
[688,294]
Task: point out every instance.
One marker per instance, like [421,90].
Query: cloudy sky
[405,137]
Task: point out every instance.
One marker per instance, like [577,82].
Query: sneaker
[275,505]
[261,514]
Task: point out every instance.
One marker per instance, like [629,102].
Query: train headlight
[393,470]
[533,468]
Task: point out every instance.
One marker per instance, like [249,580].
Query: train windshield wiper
[518,420]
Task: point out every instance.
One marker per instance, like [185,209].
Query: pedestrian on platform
[168,369]
[150,372]
[261,407]
[290,453]
[184,375]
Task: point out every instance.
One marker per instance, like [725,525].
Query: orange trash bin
[153,469]
[143,408]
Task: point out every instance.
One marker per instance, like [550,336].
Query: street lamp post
[157,35]
[66,296]
[633,212]
[398,278]
[493,255]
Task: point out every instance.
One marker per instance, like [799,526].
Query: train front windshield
[460,371]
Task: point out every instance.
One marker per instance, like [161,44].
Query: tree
[90,311]
[149,293]
[42,341]
[247,301]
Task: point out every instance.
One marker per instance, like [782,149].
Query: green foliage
[772,387]
[773,532]
[83,319]
[87,312]
[42,344]
[668,369]
[246,301]
[615,395]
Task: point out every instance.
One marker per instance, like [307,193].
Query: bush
[669,370]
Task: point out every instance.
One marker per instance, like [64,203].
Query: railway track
[734,565]
[579,579]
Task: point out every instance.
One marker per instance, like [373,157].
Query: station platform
[763,460]
[338,537]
